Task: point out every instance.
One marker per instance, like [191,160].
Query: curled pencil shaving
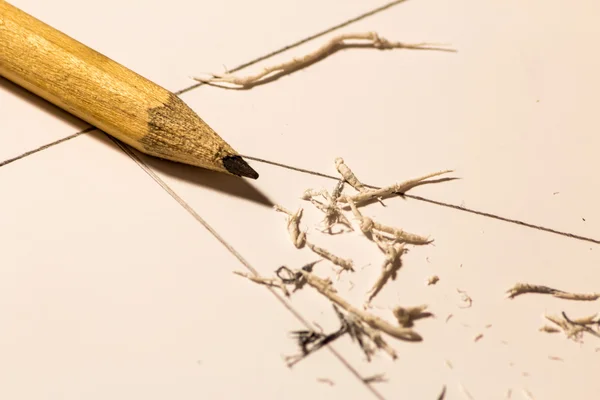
[389,270]
[370,227]
[346,264]
[289,277]
[522,288]
[465,299]
[392,190]
[406,316]
[348,176]
[333,213]
[285,276]
[293,225]
[272,73]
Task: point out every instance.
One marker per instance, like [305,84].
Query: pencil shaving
[311,341]
[549,329]
[333,213]
[379,342]
[407,316]
[293,225]
[392,190]
[377,378]
[344,41]
[348,176]
[325,288]
[383,241]
[527,394]
[368,227]
[574,329]
[432,280]
[311,193]
[465,298]
[326,381]
[389,270]
[363,327]
[346,264]
[522,288]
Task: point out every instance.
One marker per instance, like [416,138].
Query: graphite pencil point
[237,166]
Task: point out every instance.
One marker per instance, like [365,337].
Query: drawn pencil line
[436,202]
[46,146]
[236,254]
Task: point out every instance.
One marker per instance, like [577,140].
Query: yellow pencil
[109,96]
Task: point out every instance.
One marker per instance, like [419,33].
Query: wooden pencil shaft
[107,95]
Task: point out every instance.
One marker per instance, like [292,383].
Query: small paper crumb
[377,378]
[326,381]
[549,329]
[527,394]
[465,298]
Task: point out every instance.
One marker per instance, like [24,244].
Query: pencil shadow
[338,47]
[218,181]
[41,104]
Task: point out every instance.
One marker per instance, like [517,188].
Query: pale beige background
[110,289]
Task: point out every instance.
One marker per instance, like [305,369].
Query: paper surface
[109,288]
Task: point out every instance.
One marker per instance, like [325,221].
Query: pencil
[109,96]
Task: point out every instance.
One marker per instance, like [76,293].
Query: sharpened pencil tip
[237,166]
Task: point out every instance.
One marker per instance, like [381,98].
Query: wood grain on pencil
[109,96]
